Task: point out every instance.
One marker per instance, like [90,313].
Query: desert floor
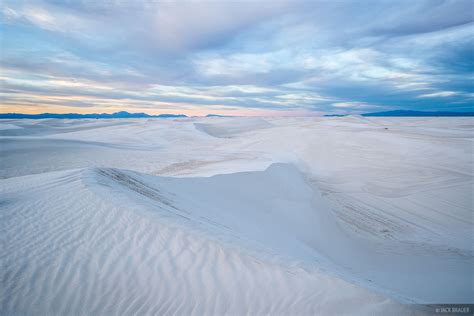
[350,215]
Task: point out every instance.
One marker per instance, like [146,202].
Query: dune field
[228,215]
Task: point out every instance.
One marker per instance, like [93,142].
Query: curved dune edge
[82,250]
[229,128]
[280,215]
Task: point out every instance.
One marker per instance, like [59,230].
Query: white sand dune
[108,241]
[228,127]
[281,216]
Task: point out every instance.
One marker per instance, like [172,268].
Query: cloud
[298,55]
[441,94]
[354,105]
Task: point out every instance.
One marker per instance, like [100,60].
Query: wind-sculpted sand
[276,216]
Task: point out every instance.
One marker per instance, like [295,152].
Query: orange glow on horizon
[188,112]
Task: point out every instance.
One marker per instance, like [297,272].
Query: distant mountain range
[122,114]
[418,113]
[218,115]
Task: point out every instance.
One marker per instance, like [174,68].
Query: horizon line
[126,114]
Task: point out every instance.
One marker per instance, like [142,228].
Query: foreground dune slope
[108,241]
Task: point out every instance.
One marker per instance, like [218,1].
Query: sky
[236,57]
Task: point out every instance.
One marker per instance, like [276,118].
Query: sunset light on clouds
[236,58]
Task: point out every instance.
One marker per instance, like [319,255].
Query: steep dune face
[278,211]
[106,241]
[226,128]
[274,211]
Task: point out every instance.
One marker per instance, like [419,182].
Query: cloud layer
[243,58]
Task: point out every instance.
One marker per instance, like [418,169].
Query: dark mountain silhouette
[418,113]
[122,114]
[218,115]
